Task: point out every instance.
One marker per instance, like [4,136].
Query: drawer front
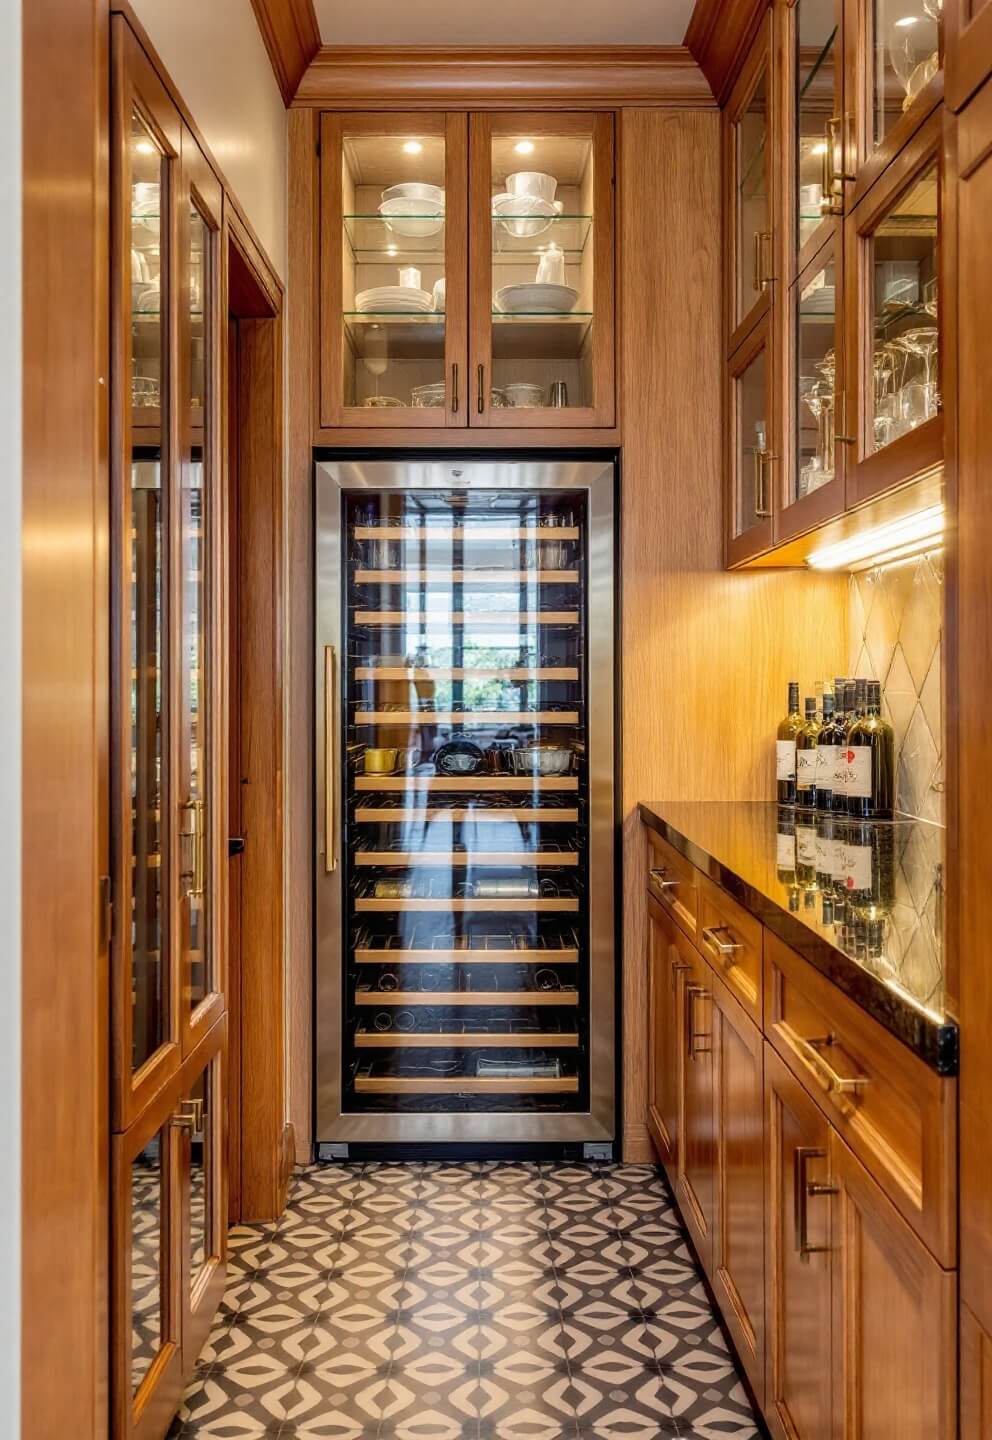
[896,1114]
[730,939]
[672,882]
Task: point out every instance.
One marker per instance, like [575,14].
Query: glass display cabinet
[750,458]
[812,91]
[541,276]
[750,171]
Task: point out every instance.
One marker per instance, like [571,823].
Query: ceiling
[511,22]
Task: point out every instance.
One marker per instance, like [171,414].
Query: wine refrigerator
[464,820]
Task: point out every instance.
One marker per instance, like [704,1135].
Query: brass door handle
[193,810]
[330,761]
[678,967]
[660,879]
[804,1190]
[189,1116]
[454,388]
[723,949]
[763,237]
[761,510]
[481,397]
[692,994]
[756,261]
[841,1084]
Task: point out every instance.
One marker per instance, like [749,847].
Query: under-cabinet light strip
[884,543]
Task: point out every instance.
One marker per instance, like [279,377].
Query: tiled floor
[475,1301]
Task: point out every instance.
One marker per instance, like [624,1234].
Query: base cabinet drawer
[673,882]
[731,940]
[664,1033]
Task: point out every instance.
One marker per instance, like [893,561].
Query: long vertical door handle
[481,398]
[804,1189]
[330,761]
[454,388]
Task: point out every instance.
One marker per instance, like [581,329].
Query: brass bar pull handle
[200,850]
[804,1190]
[189,1116]
[761,510]
[454,388]
[330,761]
[192,832]
[481,396]
[725,950]
[693,1036]
[756,261]
[660,878]
[811,1051]
[678,966]
[764,277]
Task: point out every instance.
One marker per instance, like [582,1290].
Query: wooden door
[198,754]
[894,1317]
[146,140]
[665,965]
[695,1184]
[541,199]
[798,1381]
[385,363]
[968,50]
[202,1129]
[750,171]
[739,1211]
[750,450]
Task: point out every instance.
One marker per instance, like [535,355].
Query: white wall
[10,714]
[215,57]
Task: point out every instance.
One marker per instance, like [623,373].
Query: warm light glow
[884,543]
[820,149]
[145,147]
[412,147]
[907,20]
[524,147]
[391,250]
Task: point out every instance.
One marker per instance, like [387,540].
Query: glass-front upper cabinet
[813,91]
[541,278]
[147,139]
[751,459]
[892,255]
[894,53]
[393,270]
[749,165]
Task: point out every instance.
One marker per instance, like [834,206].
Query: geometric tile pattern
[467,1301]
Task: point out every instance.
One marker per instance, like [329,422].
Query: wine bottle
[832,736]
[785,748]
[806,757]
[871,761]
[785,846]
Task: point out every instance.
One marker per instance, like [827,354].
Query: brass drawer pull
[842,1084]
[804,1190]
[660,879]
[723,949]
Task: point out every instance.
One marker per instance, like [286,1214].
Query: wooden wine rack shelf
[456,858]
[538,533]
[466,672]
[467,577]
[429,904]
[463,999]
[483,1040]
[485,620]
[466,957]
[474,1085]
[481,784]
[466,717]
[534,815]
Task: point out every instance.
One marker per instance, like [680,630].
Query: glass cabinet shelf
[529,235]
[372,239]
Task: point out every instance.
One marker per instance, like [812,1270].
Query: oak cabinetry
[664,1032]
[672,881]
[976,1378]
[731,940]
[695,1174]
[968,49]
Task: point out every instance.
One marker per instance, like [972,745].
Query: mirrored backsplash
[895,628]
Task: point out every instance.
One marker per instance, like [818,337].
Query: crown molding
[292,39]
[718,36]
[467,77]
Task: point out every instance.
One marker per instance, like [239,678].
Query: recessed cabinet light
[907,20]
[145,147]
[524,147]
[412,147]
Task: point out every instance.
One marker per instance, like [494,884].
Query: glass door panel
[751,455]
[199,1117]
[815,394]
[150,1241]
[751,196]
[905,56]
[816,59]
[466,793]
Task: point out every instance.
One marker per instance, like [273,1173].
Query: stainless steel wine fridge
[464,815]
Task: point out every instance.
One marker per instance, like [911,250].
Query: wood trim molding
[291,37]
[470,77]
[718,36]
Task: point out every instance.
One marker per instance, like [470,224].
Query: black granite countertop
[861,901]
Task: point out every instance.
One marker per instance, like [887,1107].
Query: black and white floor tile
[474,1301]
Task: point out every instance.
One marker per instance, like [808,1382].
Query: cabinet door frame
[199,186]
[805,514]
[136,86]
[695,984]
[870,472]
[334,125]
[664,1043]
[483,126]
[758,63]
[200,1302]
[967,50]
[758,537]
[146,1414]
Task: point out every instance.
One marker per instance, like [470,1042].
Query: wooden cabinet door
[894,1317]
[201,1124]
[750,171]
[739,1212]
[695,1185]
[798,1382]
[665,965]
[967,49]
[751,453]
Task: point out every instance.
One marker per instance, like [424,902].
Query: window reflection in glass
[147,1235]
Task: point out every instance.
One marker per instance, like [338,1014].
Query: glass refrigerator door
[466,794]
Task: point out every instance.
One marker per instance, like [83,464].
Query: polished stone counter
[861,901]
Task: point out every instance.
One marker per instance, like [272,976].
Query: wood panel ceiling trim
[718,35]
[292,39]
[466,77]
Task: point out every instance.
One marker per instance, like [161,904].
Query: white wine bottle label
[839,786]
[806,845]
[785,851]
[858,766]
[827,856]
[826,766]
[856,867]
[805,769]
[785,759]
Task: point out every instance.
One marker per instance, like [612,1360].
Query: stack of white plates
[403,299]
[536,299]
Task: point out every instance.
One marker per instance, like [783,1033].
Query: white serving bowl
[415,190]
[411,217]
[532,182]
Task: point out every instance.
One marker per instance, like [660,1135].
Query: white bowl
[537,299]
[538,214]
[411,217]
[532,182]
[415,190]
[524,396]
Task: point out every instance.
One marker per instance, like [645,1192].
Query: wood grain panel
[698,710]
[976,1379]
[65,703]
[477,77]
[292,39]
[718,36]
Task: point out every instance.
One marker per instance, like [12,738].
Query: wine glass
[922,342]
[912,47]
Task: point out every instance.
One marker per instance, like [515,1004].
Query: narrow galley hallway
[469,1301]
